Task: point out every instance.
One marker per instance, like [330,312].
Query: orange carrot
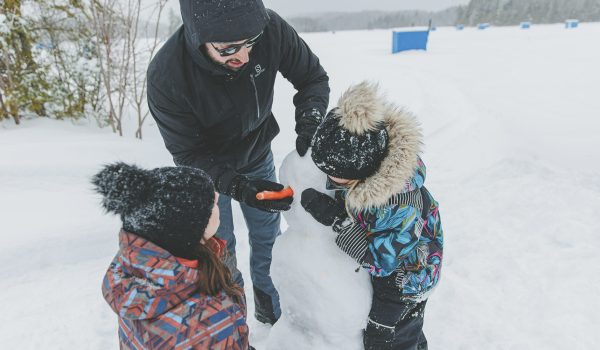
[273,195]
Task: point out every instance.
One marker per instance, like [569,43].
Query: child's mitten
[323,208]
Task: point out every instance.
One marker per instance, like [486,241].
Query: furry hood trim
[363,108]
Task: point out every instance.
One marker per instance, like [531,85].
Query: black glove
[323,208]
[244,190]
[306,125]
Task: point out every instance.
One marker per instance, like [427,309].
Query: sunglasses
[235,48]
[334,186]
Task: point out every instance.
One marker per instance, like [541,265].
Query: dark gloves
[323,208]
[306,125]
[244,190]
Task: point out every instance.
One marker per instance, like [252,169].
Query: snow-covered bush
[22,80]
[70,59]
[47,65]
[75,59]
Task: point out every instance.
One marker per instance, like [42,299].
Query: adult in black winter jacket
[210,90]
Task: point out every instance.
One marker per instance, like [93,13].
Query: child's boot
[378,336]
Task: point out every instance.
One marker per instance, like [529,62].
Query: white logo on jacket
[258,69]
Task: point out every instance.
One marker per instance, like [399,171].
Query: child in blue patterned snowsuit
[383,215]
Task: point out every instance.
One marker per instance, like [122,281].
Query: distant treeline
[497,12]
[331,21]
[510,12]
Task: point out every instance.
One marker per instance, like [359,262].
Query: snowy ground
[511,119]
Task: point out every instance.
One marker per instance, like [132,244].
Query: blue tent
[571,23]
[409,40]
[460,26]
[482,26]
[525,25]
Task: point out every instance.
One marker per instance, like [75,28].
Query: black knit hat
[168,206]
[222,20]
[352,140]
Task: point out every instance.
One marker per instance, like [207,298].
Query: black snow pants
[394,324]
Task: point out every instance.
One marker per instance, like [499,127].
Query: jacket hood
[398,169]
[203,61]
[145,281]
[219,21]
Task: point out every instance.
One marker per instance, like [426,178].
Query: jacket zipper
[256,96]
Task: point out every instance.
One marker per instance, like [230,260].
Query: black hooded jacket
[219,120]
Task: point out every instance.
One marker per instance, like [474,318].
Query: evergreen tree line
[511,12]
[497,12]
[372,20]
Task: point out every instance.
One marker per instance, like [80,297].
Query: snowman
[325,298]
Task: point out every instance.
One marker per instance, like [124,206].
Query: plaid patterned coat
[159,307]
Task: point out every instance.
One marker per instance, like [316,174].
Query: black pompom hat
[352,141]
[168,206]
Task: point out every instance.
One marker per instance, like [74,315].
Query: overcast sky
[298,7]
[289,8]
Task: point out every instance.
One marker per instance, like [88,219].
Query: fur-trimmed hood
[404,146]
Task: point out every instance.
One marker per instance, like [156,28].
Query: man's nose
[243,55]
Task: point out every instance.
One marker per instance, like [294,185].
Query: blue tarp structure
[525,25]
[460,26]
[571,23]
[482,26]
[409,40]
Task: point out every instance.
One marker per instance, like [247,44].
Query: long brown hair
[215,276]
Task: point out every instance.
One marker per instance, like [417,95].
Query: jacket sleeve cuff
[352,239]
[225,180]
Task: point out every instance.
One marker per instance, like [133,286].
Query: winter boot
[422,345]
[409,330]
[378,336]
[263,307]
